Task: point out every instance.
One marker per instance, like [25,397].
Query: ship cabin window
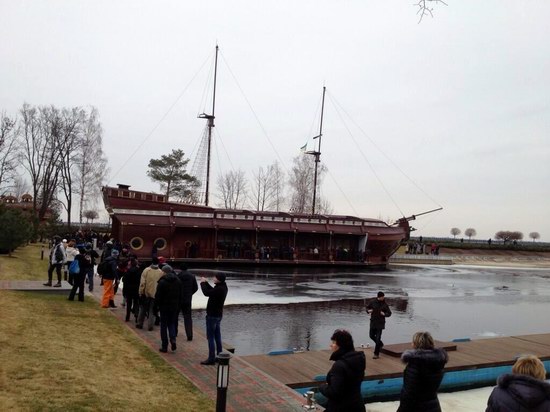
[136,243]
[148,197]
[125,193]
[161,243]
[160,198]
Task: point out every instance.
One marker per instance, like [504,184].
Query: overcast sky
[460,103]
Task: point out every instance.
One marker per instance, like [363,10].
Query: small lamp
[222,380]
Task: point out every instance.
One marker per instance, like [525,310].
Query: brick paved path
[249,388]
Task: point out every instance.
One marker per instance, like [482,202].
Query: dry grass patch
[25,264]
[61,355]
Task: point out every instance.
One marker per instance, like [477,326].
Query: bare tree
[470,232]
[91,164]
[268,188]
[506,235]
[534,235]
[8,152]
[42,148]
[232,189]
[90,215]
[71,129]
[301,184]
[455,232]
[425,9]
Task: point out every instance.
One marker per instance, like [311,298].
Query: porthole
[160,242]
[136,243]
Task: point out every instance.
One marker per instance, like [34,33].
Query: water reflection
[301,309]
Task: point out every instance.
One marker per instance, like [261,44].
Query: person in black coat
[522,390]
[188,288]
[131,279]
[343,387]
[214,311]
[422,375]
[379,311]
[168,299]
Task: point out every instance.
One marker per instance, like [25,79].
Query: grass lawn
[25,264]
[61,355]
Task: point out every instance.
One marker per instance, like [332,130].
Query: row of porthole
[137,243]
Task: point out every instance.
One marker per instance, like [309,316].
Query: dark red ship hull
[203,235]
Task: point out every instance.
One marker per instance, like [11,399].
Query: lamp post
[222,381]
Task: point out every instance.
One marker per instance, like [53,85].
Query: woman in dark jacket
[130,291]
[522,390]
[343,387]
[422,375]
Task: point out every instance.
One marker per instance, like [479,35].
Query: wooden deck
[308,369]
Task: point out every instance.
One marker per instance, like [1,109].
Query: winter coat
[168,295]
[377,320]
[519,393]
[149,281]
[111,273]
[57,254]
[188,286]
[71,252]
[216,298]
[131,280]
[421,380]
[343,387]
[84,262]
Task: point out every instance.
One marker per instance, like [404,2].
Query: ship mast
[210,123]
[317,153]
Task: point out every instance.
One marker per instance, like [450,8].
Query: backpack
[103,268]
[58,253]
[74,267]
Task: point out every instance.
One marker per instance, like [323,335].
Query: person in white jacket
[71,251]
[57,259]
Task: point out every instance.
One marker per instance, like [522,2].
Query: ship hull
[202,236]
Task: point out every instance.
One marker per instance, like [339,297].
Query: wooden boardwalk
[307,369]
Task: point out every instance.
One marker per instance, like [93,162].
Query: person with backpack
[89,251]
[343,387]
[71,251]
[57,259]
[168,299]
[109,269]
[77,270]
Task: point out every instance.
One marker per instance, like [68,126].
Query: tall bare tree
[267,190]
[91,164]
[301,184]
[70,138]
[8,152]
[232,187]
[41,135]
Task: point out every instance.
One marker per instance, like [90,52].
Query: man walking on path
[108,278]
[147,292]
[379,311]
[168,300]
[188,288]
[214,311]
[57,259]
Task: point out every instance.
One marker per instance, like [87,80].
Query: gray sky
[460,102]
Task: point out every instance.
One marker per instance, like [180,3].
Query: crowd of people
[157,293]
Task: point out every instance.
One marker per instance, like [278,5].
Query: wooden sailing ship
[149,223]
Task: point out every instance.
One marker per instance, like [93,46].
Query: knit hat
[167,269]
[162,259]
[220,277]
